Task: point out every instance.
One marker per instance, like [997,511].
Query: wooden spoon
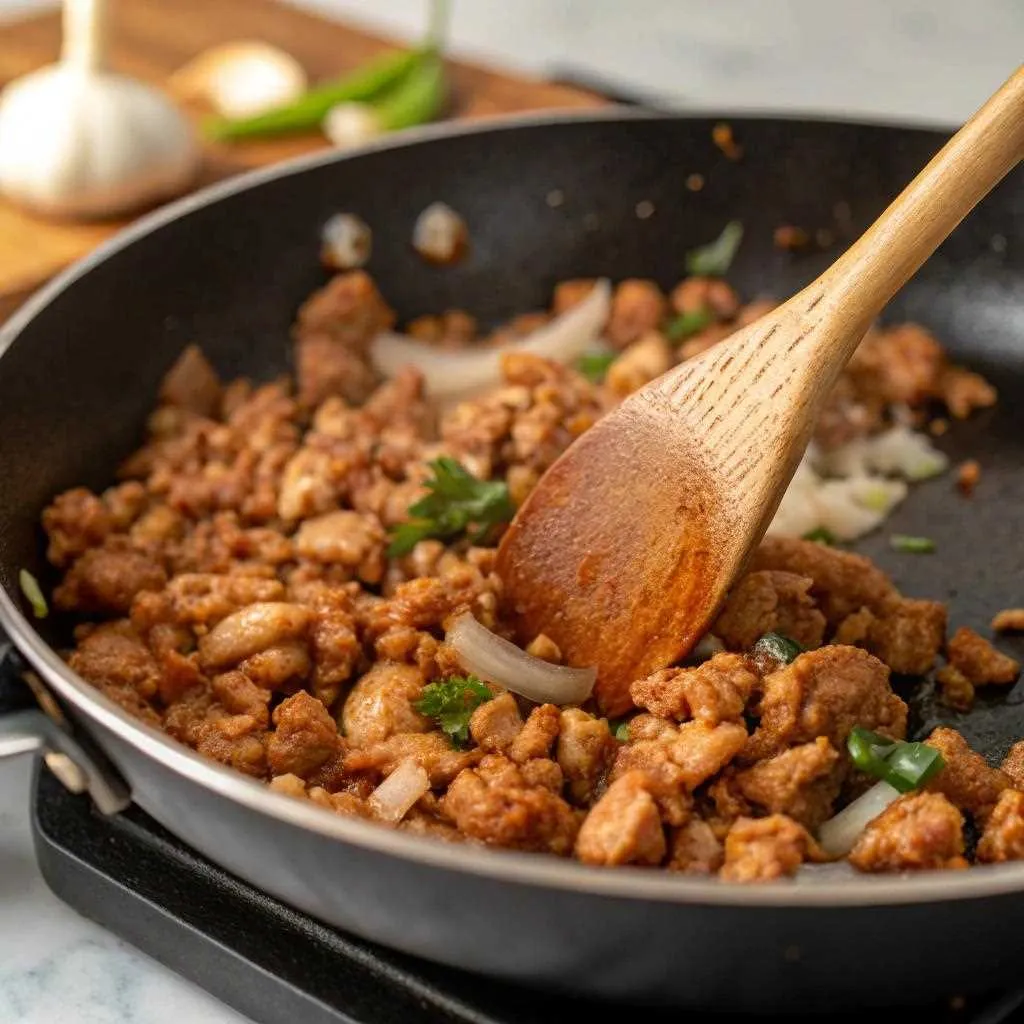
[625,550]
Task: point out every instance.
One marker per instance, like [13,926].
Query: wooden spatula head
[624,551]
[622,555]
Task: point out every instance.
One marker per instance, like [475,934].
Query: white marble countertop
[923,60]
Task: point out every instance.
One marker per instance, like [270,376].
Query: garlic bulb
[79,141]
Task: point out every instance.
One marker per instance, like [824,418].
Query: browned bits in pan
[722,137]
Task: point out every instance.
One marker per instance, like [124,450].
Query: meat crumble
[241,586]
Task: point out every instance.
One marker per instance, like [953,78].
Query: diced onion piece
[494,659]
[707,647]
[241,79]
[461,374]
[349,125]
[440,235]
[839,834]
[394,797]
[346,242]
[899,451]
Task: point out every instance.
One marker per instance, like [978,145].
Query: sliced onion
[839,834]
[345,242]
[495,660]
[460,374]
[440,235]
[707,647]
[393,798]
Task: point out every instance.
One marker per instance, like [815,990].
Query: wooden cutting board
[151,38]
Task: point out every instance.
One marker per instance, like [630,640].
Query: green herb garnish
[777,647]
[458,502]
[821,536]
[687,324]
[451,703]
[33,594]
[619,728]
[595,365]
[905,766]
[715,258]
[911,545]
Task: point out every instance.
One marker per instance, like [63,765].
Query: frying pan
[79,367]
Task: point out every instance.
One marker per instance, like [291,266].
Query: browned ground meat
[694,849]
[498,804]
[826,693]
[920,831]
[979,661]
[763,849]
[714,692]
[624,826]
[967,779]
[1003,838]
[235,588]
[1013,765]
[802,782]
[770,602]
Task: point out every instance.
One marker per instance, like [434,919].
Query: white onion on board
[840,833]
[496,660]
[394,797]
[463,373]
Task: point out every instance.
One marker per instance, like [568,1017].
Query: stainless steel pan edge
[531,918]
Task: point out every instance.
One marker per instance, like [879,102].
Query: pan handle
[31,722]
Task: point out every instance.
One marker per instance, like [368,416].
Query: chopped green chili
[821,535]
[687,324]
[912,545]
[905,766]
[715,258]
[777,647]
[594,365]
[33,594]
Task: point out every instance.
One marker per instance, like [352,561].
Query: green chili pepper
[33,594]
[912,545]
[687,324]
[777,647]
[308,111]
[416,99]
[905,766]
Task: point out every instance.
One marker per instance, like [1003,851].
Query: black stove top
[278,966]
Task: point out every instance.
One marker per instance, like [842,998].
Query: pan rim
[498,865]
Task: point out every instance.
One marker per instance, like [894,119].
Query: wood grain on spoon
[627,547]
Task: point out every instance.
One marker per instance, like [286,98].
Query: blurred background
[923,59]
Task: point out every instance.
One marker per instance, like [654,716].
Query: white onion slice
[440,235]
[494,659]
[393,798]
[345,242]
[460,374]
[839,834]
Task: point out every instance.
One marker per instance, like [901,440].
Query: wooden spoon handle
[969,166]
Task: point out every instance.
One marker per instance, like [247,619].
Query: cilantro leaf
[451,703]
[457,503]
[595,365]
[687,324]
[715,258]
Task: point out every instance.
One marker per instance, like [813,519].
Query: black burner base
[280,967]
